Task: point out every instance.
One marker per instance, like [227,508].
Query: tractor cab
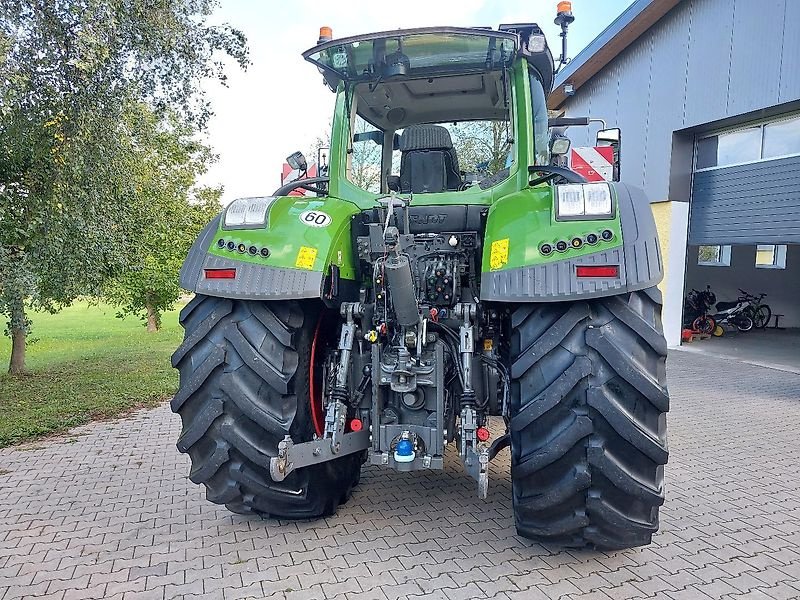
[436,110]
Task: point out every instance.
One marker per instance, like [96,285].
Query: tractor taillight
[220,273]
[597,271]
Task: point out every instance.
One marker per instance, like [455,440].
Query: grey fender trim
[257,282]
[639,257]
[193,265]
[639,238]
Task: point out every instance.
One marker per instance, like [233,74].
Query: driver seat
[428,163]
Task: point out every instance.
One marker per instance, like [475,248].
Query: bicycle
[758,311]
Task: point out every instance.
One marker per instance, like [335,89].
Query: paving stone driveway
[108,513]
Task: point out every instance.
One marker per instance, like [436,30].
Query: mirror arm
[567,121]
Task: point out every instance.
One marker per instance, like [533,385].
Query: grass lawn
[86,364]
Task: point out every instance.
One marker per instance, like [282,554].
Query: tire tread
[588,425]
[241,381]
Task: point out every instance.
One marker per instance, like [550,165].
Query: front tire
[588,420]
[244,384]
[704,324]
[744,323]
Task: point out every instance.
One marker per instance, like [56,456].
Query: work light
[247,212]
[570,200]
[598,199]
[587,200]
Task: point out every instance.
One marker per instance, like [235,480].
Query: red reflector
[597,271]
[356,425]
[220,273]
[482,434]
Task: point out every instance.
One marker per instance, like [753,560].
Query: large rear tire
[588,420]
[244,384]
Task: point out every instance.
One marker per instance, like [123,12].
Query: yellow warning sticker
[306,258]
[499,254]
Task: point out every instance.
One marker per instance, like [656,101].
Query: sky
[279,104]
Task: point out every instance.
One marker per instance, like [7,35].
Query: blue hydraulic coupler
[404,452]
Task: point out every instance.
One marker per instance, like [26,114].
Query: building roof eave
[626,29]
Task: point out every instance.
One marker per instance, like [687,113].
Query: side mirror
[560,145]
[297,161]
[613,138]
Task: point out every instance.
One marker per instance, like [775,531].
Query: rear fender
[308,246]
[516,270]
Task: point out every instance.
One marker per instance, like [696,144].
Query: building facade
[707,95]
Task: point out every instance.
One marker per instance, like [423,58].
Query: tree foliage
[365,159]
[72,73]
[171,213]
[481,146]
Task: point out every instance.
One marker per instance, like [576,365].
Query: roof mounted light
[563,19]
[564,13]
[325,34]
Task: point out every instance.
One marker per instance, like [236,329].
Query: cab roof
[431,51]
[413,54]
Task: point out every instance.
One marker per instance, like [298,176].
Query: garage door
[746,186]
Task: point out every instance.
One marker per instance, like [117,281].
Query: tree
[151,287]
[481,146]
[70,72]
[323,143]
[171,212]
[365,159]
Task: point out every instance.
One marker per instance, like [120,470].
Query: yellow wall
[662,212]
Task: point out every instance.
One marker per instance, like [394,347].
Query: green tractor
[443,271]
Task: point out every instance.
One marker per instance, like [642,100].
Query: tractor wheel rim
[314,394]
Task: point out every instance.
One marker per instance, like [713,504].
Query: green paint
[527,219]
[285,234]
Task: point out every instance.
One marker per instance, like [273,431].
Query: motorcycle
[736,314]
[733,314]
[695,310]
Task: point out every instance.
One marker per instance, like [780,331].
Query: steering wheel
[305,184]
[553,172]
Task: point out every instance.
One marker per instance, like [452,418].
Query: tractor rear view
[398,305]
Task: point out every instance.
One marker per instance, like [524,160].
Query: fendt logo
[427,219]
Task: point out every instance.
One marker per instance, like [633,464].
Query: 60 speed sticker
[315,218]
